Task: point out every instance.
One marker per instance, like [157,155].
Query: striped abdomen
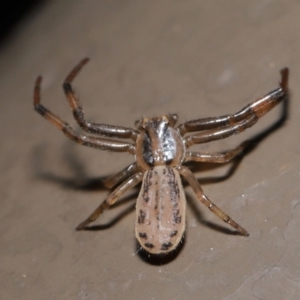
[160,210]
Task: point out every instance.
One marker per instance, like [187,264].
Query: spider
[160,151]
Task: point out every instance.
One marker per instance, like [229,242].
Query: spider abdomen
[160,210]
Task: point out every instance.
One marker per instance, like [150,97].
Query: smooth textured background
[195,58]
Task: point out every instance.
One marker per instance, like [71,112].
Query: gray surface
[195,58]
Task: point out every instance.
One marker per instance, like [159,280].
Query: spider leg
[90,141]
[258,108]
[101,129]
[112,198]
[220,157]
[74,72]
[191,179]
[122,175]
[216,134]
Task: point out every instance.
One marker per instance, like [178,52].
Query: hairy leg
[220,157]
[259,107]
[112,198]
[190,178]
[90,141]
[96,128]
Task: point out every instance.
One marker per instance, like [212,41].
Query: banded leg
[190,178]
[112,198]
[121,176]
[216,134]
[101,129]
[90,141]
[259,107]
[221,157]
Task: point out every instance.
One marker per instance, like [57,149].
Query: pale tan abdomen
[160,210]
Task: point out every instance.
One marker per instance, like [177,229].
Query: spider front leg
[112,198]
[224,126]
[101,129]
[90,141]
[190,178]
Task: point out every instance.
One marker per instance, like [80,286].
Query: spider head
[143,123]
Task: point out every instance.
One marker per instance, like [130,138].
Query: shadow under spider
[80,180]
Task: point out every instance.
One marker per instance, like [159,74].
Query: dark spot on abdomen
[143,235]
[166,246]
[174,233]
[141,217]
[176,216]
[149,245]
